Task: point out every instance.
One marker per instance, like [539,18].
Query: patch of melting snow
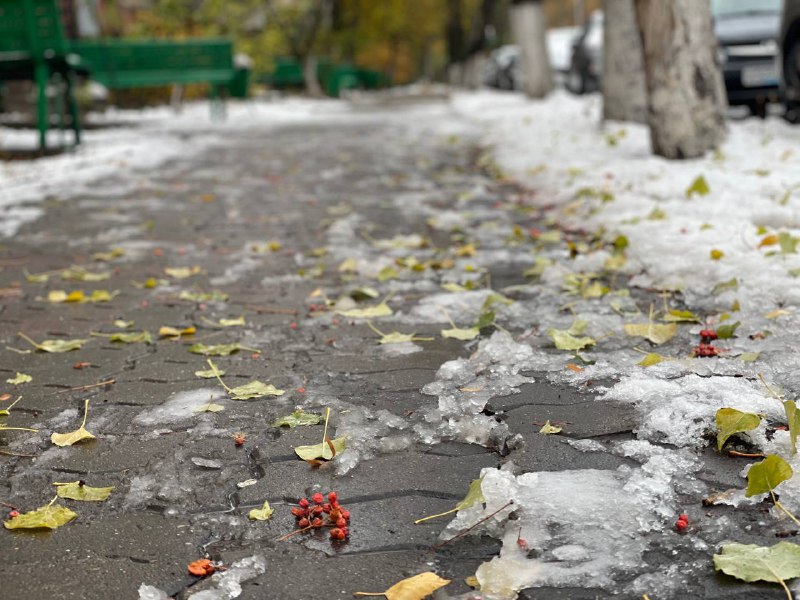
[179,407]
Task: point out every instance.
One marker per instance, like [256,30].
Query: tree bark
[528,27]
[686,94]
[624,90]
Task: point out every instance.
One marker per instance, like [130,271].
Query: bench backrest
[32,27]
[131,63]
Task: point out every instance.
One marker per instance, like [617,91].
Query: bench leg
[74,113]
[41,75]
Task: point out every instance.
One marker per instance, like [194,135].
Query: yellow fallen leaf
[19,379]
[414,588]
[379,310]
[656,333]
[182,272]
[46,517]
[549,429]
[348,266]
[780,312]
[173,332]
[67,439]
[261,514]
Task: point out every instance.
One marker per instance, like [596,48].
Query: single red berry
[337,534]
[13,514]
[523,545]
[709,334]
[301,390]
[346,514]
[332,497]
[299,512]
[318,498]
[293,325]
[303,502]
[341,523]
[317,511]
[345,531]
[303,523]
[316,523]
[326,507]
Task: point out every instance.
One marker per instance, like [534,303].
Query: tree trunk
[313,87]
[684,84]
[624,91]
[528,26]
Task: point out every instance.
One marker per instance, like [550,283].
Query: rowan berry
[341,523]
[709,334]
[326,507]
[346,514]
[345,531]
[293,325]
[706,350]
[332,497]
[682,523]
[303,502]
[316,523]
[13,514]
[303,523]
[299,513]
[337,534]
[318,498]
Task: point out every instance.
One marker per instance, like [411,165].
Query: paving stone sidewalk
[221,211]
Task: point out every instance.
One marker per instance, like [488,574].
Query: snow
[227,585]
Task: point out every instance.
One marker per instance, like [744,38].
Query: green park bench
[334,78]
[33,47]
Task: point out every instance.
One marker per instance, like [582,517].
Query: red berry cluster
[317,514]
[682,523]
[706,349]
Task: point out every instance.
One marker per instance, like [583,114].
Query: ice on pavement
[228,584]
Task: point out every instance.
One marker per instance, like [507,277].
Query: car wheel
[575,81]
[791,75]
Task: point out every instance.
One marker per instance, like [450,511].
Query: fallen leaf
[46,517]
[564,340]
[717,254]
[210,407]
[134,337]
[54,345]
[765,476]
[298,418]
[656,333]
[779,312]
[36,277]
[67,439]
[254,389]
[77,490]
[731,421]
[395,337]
[349,265]
[123,324]
[175,333]
[233,322]
[77,273]
[652,358]
[549,429]
[750,562]
[574,368]
[108,256]
[413,588]
[19,379]
[768,240]
[322,451]
[749,356]
[731,284]
[379,310]
[465,334]
[182,272]
[261,514]
[699,187]
[216,350]
[215,296]
[681,316]
[793,420]
[726,332]
[209,373]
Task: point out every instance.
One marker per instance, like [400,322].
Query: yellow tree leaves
[73,437]
[413,588]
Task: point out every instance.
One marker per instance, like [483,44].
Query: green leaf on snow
[652,358]
[681,316]
[699,187]
[465,334]
[565,340]
[726,332]
[656,333]
[765,476]
[793,420]
[473,497]
[323,450]
[731,421]
[731,284]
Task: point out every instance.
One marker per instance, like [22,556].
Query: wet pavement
[292,225]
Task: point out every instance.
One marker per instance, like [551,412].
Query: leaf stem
[29,340]
[777,503]
[216,374]
[325,431]
[18,429]
[451,511]
[85,412]
[375,329]
[466,531]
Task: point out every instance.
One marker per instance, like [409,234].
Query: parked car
[790,53]
[586,65]
[747,32]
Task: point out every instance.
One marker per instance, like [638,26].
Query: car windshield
[732,7]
